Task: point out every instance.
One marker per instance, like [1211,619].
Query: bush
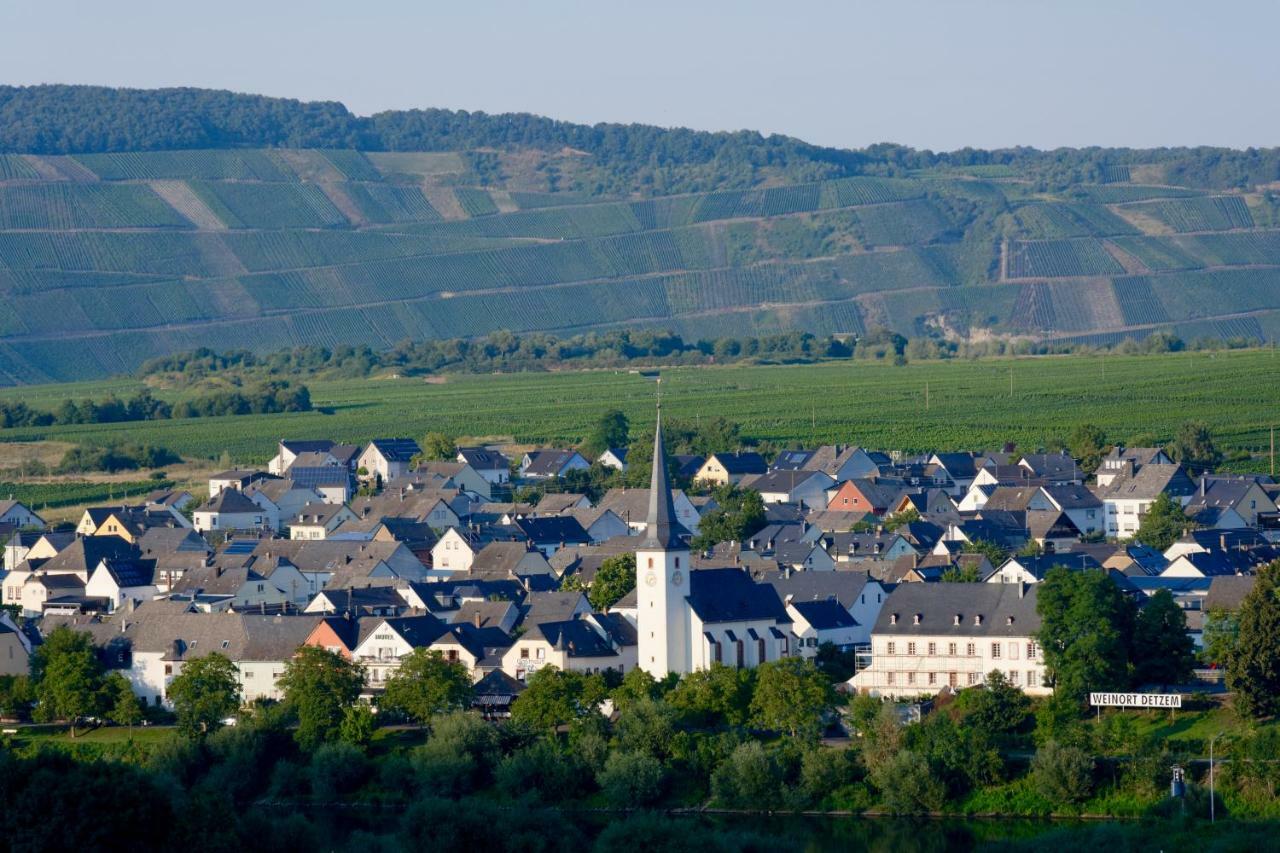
[1063,775]
[631,779]
[336,769]
[907,785]
[543,772]
[746,779]
[824,771]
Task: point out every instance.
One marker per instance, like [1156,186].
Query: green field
[873,404]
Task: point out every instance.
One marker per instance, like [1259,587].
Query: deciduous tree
[204,694]
[615,578]
[792,695]
[425,684]
[1253,666]
[1163,652]
[319,686]
[1085,626]
[1163,523]
[68,677]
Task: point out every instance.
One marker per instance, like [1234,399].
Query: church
[689,619]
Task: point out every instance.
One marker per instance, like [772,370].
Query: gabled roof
[1039,566]
[741,462]
[574,636]
[786,480]
[825,615]
[1052,466]
[552,529]
[496,687]
[396,449]
[484,459]
[730,595]
[230,501]
[792,460]
[1228,592]
[324,476]
[844,587]
[556,503]
[1147,483]
[1072,497]
[129,571]
[548,463]
[306,446]
[500,558]
[84,554]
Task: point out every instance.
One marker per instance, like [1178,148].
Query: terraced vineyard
[109,259]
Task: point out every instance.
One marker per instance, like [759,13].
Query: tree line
[265,398]
[62,119]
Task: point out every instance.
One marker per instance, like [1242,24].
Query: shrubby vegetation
[264,398]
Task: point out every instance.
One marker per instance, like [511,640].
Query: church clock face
[650,579]
[676,579]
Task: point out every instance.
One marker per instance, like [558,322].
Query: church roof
[662,531]
[730,595]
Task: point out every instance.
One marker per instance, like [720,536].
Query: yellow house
[127,522]
[723,468]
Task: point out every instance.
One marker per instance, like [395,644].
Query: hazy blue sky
[930,74]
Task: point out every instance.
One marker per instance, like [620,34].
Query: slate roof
[552,530]
[556,503]
[573,636]
[1039,566]
[230,500]
[548,463]
[742,462]
[129,571]
[825,615]
[730,595]
[484,459]
[792,460]
[324,476]
[843,587]
[785,480]
[1072,497]
[1228,592]
[938,605]
[85,553]
[500,558]
[1053,466]
[1147,483]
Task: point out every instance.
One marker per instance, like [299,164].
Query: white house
[595,643]
[816,622]
[930,636]
[1130,493]
[615,458]
[230,510]
[122,580]
[19,515]
[792,487]
[387,458]
[318,520]
[490,464]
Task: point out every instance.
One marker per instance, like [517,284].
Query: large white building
[930,636]
[688,620]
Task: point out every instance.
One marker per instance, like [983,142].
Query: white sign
[1135,700]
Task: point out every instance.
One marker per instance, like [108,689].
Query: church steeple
[661,532]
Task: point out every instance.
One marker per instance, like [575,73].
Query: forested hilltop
[136,224]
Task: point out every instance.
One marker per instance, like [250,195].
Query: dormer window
[957,620]
[1009,621]
[893,618]
[916,619]
[977,620]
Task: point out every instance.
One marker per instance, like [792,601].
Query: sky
[939,75]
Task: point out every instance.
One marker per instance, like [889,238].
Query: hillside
[110,257]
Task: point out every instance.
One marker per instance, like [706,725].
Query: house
[243,588]
[387,458]
[127,522]
[458,475]
[632,506]
[120,580]
[579,645]
[1130,493]
[170,498]
[1216,540]
[857,592]
[281,500]
[549,464]
[1053,469]
[457,548]
[960,469]
[509,560]
[615,458]
[931,636]
[15,648]
[723,468]
[318,520]
[687,465]
[229,509]
[16,514]
[493,466]
[288,451]
[1022,569]
[865,496]
[843,462]
[39,589]
[1085,510]
[75,559]
[360,601]
[236,478]
[333,483]
[808,488]
[552,533]
[384,642]
[814,623]
[494,694]
[1228,502]
[1125,460]
[1209,564]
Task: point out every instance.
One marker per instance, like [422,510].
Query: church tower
[662,578]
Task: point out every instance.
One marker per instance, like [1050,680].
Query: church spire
[661,529]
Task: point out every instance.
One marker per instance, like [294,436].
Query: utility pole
[1011,380]
[1273,450]
[926,396]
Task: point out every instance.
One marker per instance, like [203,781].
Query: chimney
[1022,593]
[1222,541]
[1203,480]
[475,618]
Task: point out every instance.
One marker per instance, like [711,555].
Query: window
[524,652]
[951,649]
[995,651]
[971,650]
[933,648]
[933,678]
[973,678]
[248,674]
[1013,651]
[1014,677]
[1031,678]
[953,679]
[889,679]
[542,654]
[911,678]
[1033,649]
[168,669]
[891,649]
[911,648]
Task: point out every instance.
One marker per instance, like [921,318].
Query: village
[362,552]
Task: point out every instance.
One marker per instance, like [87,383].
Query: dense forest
[61,119]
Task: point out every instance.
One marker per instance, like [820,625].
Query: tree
[611,432]
[123,707]
[1084,632]
[1088,444]
[719,695]
[426,684]
[631,779]
[1062,774]
[204,694]
[895,520]
[1221,633]
[647,726]
[1253,667]
[792,695]
[68,677]
[1194,449]
[739,513]
[967,573]
[746,779]
[1163,523]
[615,578]
[555,697]
[1163,653]
[358,724]
[636,685]
[438,447]
[319,686]
[907,784]
[17,697]
[995,708]
[993,552]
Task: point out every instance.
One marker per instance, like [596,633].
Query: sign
[1135,700]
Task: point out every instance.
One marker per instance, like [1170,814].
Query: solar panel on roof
[241,546]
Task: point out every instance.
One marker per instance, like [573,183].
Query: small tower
[662,578]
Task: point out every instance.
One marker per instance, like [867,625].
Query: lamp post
[1212,805]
